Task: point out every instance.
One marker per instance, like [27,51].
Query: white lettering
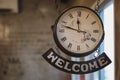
[59,62]
[102,61]
[76,67]
[94,65]
[53,58]
[66,66]
[84,67]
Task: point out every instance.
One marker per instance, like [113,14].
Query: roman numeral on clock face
[70,15]
[63,39]
[95,31]
[93,39]
[87,45]
[79,13]
[69,45]
[64,22]
[87,16]
[61,30]
[93,22]
[78,48]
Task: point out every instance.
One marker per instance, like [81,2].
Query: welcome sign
[75,67]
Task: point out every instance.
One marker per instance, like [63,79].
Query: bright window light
[109,40]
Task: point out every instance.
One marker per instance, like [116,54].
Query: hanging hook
[97,6]
[96,54]
[57,49]
[57,5]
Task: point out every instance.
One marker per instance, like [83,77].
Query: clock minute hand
[75,29]
[70,28]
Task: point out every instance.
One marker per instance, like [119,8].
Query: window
[109,40]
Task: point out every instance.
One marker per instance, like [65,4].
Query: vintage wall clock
[78,31]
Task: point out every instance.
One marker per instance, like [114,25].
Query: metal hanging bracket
[99,5]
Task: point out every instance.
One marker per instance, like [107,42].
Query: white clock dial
[78,31]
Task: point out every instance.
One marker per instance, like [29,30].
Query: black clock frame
[72,53]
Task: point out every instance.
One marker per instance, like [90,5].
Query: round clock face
[78,31]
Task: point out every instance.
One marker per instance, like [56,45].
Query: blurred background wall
[24,37]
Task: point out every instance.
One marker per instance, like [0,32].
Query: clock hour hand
[78,23]
[82,31]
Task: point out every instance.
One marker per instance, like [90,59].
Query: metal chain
[57,5]
[97,6]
